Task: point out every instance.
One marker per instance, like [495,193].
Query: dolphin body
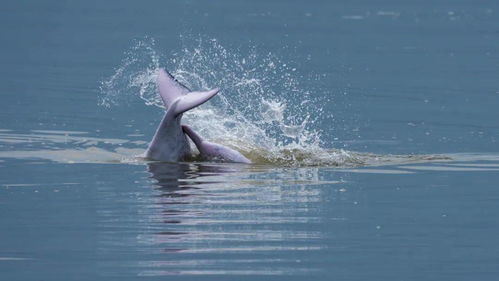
[170,142]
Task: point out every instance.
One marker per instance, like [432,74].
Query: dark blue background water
[403,78]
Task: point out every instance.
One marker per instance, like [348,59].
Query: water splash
[263,110]
[135,76]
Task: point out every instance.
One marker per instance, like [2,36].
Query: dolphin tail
[178,97]
[169,88]
[191,100]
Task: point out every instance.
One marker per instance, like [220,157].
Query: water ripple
[186,211]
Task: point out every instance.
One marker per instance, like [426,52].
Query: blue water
[373,128]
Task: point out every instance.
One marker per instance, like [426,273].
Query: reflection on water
[220,219]
[156,219]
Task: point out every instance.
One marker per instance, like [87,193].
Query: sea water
[372,128]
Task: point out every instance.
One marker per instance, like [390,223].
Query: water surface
[373,127]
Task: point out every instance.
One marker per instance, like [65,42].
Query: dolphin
[213,151]
[169,142]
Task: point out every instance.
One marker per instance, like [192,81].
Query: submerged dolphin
[212,151]
[169,142]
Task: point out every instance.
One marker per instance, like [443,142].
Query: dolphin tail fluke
[169,88]
[191,100]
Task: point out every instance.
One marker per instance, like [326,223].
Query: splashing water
[136,75]
[263,110]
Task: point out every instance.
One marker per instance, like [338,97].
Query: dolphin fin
[213,151]
[169,88]
[198,141]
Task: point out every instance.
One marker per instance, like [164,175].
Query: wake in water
[79,147]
